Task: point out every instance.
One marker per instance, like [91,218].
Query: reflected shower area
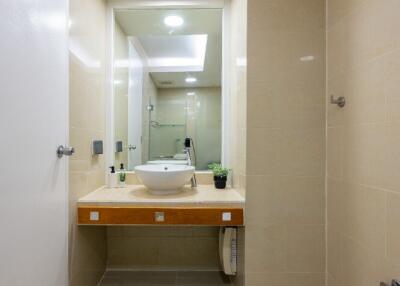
[179,113]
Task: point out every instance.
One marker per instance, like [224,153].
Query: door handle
[65,151]
[131,147]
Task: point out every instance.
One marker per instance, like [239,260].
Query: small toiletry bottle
[122,176]
[112,181]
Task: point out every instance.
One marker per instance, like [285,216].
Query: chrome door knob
[65,151]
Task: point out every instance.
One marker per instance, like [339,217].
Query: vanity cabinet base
[134,215]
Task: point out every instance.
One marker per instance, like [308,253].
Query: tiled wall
[87,245]
[163,248]
[121,82]
[285,201]
[363,158]
[237,116]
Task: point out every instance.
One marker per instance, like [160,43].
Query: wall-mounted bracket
[340,101]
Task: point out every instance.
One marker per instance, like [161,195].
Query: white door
[33,122]
[135,92]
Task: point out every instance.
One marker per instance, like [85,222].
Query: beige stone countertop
[131,195]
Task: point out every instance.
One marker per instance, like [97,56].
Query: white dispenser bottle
[112,178]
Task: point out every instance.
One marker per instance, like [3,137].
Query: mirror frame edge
[113,5]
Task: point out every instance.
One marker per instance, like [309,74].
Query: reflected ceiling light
[192,60]
[307,58]
[173,21]
[191,79]
[190,93]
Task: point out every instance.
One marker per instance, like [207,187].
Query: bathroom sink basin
[167,162]
[164,179]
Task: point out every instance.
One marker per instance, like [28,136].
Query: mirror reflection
[167,86]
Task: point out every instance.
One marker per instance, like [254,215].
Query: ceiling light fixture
[173,21]
[191,79]
[190,93]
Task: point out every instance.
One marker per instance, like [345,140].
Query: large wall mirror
[167,67]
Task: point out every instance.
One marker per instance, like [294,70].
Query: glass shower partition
[166,140]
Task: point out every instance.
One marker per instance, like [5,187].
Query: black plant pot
[220,182]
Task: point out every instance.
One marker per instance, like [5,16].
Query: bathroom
[297,101]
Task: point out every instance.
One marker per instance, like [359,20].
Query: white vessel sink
[167,162]
[164,179]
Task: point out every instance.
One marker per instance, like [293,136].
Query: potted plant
[220,175]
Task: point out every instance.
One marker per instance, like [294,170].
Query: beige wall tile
[281,279]
[339,9]
[265,249]
[334,259]
[383,21]
[359,265]
[391,84]
[363,56]
[163,248]
[87,246]
[288,200]
[302,153]
[305,248]
[393,232]
[263,202]
[359,212]
[336,202]
[285,161]
[334,152]
[263,154]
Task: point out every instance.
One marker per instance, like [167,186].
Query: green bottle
[122,175]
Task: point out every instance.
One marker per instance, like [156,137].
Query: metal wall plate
[118,146]
[97,147]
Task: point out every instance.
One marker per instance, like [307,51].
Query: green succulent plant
[218,170]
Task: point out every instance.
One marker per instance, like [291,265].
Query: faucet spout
[193,180]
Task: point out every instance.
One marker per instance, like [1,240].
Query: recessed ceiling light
[173,21]
[190,93]
[190,79]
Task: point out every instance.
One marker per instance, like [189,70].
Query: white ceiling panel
[176,53]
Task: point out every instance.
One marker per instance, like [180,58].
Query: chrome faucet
[189,163]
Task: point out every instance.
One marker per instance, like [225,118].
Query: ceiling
[193,49]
